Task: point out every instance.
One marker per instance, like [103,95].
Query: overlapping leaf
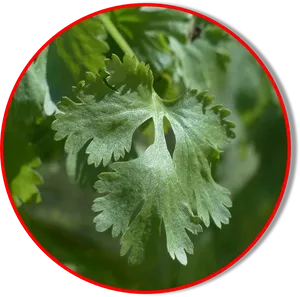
[82,172]
[200,64]
[83,47]
[30,104]
[20,167]
[146,30]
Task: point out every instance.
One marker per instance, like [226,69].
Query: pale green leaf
[151,180]
[197,137]
[106,117]
[177,189]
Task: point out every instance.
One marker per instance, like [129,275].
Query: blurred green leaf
[78,168]
[32,98]
[147,30]
[201,65]
[20,160]
[83,47]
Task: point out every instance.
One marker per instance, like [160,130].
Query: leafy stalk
[116,35]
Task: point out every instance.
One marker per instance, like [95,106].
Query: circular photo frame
[155,148]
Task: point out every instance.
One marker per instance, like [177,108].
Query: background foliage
[53,189]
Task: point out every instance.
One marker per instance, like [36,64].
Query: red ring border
[288,161]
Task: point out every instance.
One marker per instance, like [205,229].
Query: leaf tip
[224,113]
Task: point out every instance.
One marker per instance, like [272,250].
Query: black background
[268,31]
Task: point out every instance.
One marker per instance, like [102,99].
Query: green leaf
[151,180]
[210,32]
[32,97]
[30,104]
[146,28]
[178,189]
[201,65]
[40,67]
[20,166]
[252,89]
[41,135]
[83,47]
[215,34]
[106,117]
[197,138]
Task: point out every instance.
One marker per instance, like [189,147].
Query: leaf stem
[116,35]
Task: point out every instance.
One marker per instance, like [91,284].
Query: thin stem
[116,35]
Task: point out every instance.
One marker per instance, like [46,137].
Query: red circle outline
[287,170]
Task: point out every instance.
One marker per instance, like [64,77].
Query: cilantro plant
[139,71]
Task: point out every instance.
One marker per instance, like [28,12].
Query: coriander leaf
[146,28]
[150,179]
[198,138]
[178,189]
[104,116]
[24,186]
